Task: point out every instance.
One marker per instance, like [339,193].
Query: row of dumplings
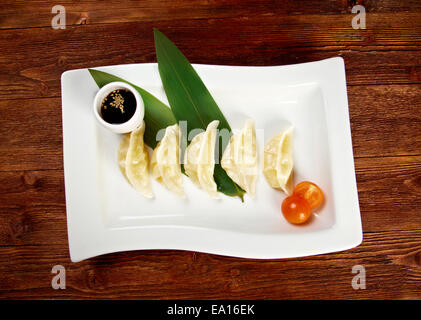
[239,160]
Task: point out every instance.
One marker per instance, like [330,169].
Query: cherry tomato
[310,192]
[296,209]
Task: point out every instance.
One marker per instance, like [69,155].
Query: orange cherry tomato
[296,209]
[310,192]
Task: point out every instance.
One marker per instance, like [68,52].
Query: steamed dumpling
[137,168]
[122,154]
[240,158]
[165,163]
[278,161]
[199,160]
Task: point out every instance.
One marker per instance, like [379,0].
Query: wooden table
[383,65]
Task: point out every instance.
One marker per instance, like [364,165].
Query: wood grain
[32,67]
[30,142]
[385,120]
[383,67]
[391,260]
[24,14]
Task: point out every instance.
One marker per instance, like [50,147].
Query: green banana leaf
[157,114]
[191,101]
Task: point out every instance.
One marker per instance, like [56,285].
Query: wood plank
[380,117]
[385,120]
[391,261]
[23,80]
[389,191]
[32,207]
[388,52]
[24,14]
[32,203]
[31,134]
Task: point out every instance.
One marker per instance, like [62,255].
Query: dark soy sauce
[118,106]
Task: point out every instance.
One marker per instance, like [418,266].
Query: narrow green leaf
[157,114]
[191,101]
[225,184]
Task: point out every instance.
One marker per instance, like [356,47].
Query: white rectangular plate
[105,214]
